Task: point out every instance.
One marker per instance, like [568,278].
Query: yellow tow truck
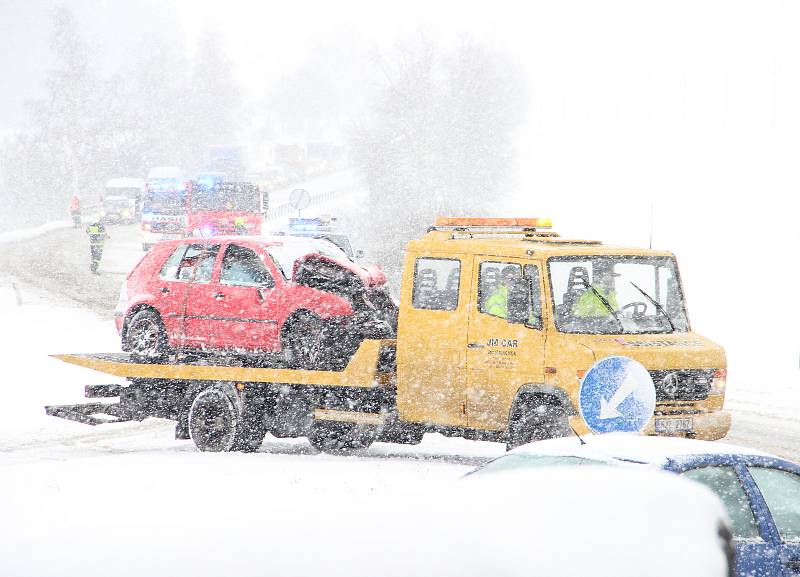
[500,320]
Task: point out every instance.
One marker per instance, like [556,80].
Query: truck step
[349,417]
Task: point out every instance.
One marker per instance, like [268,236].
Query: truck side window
[436,282]
[497,282]
[532,272]
[242,267]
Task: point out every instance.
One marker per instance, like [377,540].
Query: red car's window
[170,269]
[198,263]
[243,267]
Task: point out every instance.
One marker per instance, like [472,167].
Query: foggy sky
[689,107]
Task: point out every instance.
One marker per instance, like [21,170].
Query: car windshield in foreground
[617,294]
[286,254]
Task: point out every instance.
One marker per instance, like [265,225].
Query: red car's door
[198,268]
[169,294]
[245,301]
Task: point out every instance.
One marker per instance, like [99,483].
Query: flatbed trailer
[232,406]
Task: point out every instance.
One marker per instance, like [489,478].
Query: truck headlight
[718,382]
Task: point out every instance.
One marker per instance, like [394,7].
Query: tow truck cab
[499,317]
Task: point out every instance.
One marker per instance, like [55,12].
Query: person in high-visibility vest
[97,238]
[497,302]
[588,305]
[75,210]
[239,224]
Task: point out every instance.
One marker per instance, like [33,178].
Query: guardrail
[285,209]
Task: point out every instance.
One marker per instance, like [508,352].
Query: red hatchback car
[299,301]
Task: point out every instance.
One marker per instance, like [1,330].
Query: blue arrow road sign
[617,395]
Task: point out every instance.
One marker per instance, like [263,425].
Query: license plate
[683,425]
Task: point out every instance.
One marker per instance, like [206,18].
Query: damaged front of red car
[331,343]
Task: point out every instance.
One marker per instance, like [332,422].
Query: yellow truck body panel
[461,367]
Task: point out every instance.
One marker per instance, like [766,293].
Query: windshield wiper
[603,300]
[656,304]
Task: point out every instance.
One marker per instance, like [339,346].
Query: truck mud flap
[89,413]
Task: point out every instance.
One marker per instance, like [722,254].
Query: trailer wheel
[145,337]
[536,418]
[216,424]
[337,438]
[213,421]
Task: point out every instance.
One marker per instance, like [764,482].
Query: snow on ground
[28,233]
[78,500]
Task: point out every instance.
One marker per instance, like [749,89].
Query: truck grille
[166,227]
[682,384]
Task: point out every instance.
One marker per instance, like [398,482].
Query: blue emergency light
[305,224]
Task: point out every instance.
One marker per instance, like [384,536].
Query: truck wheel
[217,425]
[146,338]
[303,343]
[213,421]
[338,438]
[535,419]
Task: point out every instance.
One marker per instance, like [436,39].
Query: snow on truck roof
[638,448]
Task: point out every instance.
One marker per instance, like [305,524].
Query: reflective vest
[588,305]
[497,303]
[97,234]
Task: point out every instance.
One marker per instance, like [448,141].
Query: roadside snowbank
[28,233]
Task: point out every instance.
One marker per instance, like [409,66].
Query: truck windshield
[233,198]
[163,202]
[639,295]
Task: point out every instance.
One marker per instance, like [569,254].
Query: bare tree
[439,140]
[163,110]
[54,159]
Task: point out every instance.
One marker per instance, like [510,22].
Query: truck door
[432,341]
[505,345]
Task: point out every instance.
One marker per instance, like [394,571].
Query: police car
[321,227]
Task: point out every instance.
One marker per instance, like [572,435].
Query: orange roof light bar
[497,222]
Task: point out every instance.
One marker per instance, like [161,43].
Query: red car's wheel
[304,342]
[146,338]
